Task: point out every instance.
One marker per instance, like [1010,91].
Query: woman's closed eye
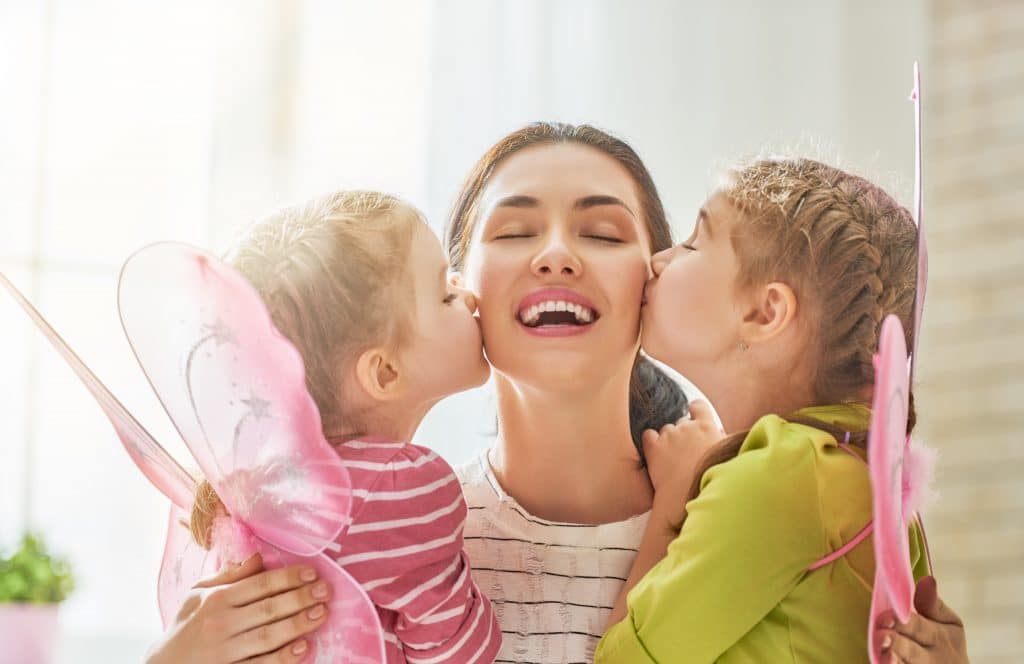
[601,227]
[512,236]
[604,238]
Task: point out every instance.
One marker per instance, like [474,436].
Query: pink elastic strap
[845,549]
[859,537]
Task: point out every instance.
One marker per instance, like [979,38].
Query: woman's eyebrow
[518,201]
[588,202]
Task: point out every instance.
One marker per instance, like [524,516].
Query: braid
[850,300]
[845,247]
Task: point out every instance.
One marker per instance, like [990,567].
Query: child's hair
[329,272]
[849,252]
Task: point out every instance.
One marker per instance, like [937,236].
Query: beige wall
[971,386]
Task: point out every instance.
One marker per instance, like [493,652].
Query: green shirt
[734,586]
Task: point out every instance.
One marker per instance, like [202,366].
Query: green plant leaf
[31,575]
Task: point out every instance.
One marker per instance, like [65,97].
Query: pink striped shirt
[404,546]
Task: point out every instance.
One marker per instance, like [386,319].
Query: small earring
[743,346]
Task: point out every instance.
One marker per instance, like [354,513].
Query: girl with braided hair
[773,308]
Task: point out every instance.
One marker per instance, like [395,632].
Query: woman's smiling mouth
[556,312]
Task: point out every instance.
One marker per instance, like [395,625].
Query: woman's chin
[557,373]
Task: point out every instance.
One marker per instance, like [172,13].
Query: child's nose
[467,297]
[660,260]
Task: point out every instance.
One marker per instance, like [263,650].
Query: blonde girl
[358,283]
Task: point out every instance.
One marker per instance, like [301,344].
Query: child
[772,308]
[357,282]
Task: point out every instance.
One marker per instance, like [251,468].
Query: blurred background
[125,122]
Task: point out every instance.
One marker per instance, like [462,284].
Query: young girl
[773,308]
[358,283]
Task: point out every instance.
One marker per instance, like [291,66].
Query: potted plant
[32,584]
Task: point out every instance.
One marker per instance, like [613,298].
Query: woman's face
[558,259]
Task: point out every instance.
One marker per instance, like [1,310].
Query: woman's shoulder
[473,472]
[477,486]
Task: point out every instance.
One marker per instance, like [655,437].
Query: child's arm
[672,456]
[748,539]
[405,547]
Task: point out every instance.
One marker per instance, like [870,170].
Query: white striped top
[553,585]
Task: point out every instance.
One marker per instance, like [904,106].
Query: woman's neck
[569,456]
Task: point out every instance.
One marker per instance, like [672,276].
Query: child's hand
[245,613]
[672,456]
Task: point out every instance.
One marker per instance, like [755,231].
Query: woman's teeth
[547,313]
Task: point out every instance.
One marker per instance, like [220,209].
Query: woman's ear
[770,312]
[377,375]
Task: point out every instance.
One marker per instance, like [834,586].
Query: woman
[551,214]
[555,214]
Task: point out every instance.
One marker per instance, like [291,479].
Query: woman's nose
[556,257]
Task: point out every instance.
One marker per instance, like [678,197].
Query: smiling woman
[554,231]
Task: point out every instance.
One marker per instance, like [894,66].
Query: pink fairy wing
[235,389]
[900,472]
[352,633]
[922,247]
[887,443]
[184,563]
[152,459]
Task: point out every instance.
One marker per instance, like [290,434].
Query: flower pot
[27,632]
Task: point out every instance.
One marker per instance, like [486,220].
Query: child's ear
[771,311]
[455,279]
[377,374]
